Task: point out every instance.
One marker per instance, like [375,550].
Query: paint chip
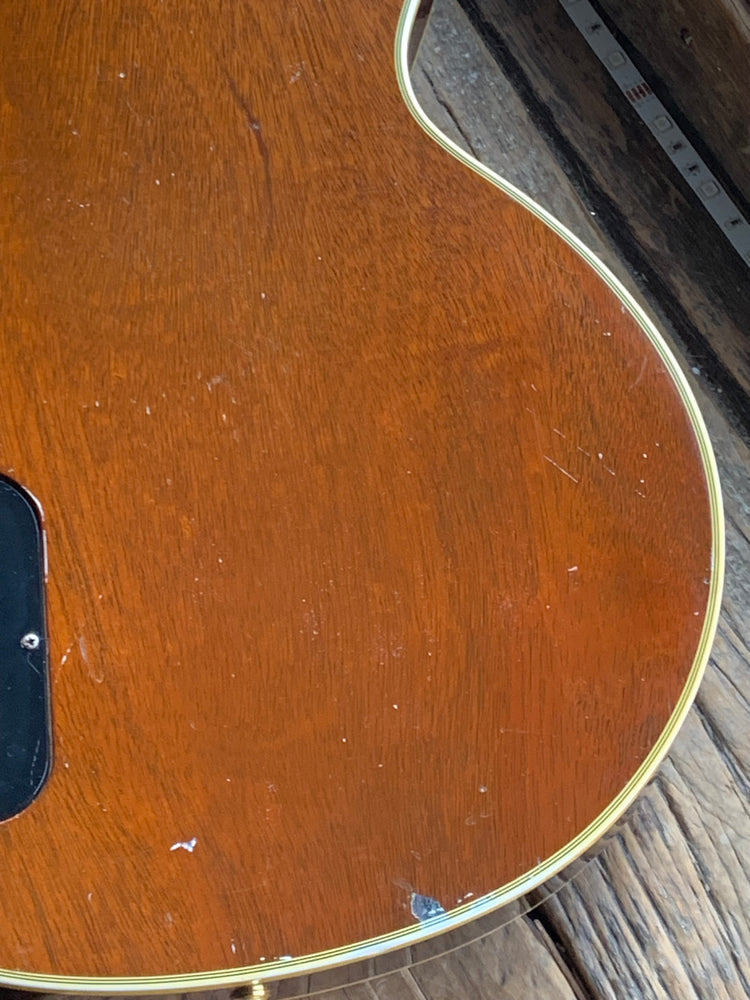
[425,907]
[185,845]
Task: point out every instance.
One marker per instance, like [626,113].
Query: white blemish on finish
[560,468]
[96,675]
[640,374]
[572,569]
[185,845]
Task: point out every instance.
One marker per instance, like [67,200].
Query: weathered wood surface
[699,53]
[664,912]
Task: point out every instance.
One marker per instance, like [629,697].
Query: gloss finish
[379,532]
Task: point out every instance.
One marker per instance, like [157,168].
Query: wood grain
[346,461]
[665,909]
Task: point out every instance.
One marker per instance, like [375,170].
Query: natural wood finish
[464,82]
[314,414]
[664,912]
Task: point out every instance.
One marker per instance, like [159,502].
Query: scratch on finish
[640,374]
[560,468]
[34,760]
[31,665]
[253,124]
[96,675]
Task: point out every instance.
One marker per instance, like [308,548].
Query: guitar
[371,535]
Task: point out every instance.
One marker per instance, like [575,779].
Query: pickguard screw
[30,641]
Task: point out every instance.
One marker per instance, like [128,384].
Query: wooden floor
[664,911]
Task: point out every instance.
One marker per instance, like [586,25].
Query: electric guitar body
[382,534]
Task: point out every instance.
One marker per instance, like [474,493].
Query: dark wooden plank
[698,54]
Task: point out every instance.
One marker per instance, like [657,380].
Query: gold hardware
[253,991]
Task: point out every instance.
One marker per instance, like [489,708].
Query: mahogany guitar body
[383,534]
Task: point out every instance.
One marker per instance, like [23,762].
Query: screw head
[30,641]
